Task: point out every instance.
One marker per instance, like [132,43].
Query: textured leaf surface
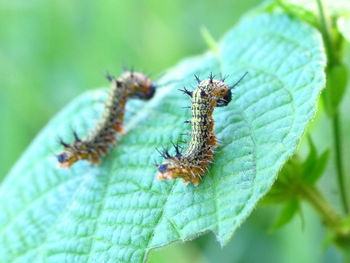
[117,212]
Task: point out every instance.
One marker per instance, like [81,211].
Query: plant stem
[325,34]
[313,196]
[332,61]
[339,162]
[329,217]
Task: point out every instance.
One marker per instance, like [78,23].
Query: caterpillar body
[99,141]
[193,163]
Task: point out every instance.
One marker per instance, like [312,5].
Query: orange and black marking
[99,141]
[193,163]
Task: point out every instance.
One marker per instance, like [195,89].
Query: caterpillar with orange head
[99,141]
[193,164]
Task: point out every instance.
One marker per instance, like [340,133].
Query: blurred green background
[51,51]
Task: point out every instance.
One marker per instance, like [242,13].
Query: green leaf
[286,186]
[312,156]
[314,165]
[287,214]
[314,172]
[337,78]
[343,24]
[295,174]
[118,211]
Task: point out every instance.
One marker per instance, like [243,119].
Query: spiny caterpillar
[129,85]
[192,165]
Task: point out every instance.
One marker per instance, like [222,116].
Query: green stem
[325,34]
[313,196]
[332,61]
[339,162]
[329,216]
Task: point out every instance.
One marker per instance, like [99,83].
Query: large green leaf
[117,212]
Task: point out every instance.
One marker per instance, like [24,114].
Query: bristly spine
[193,163]
[100,140]
[186,91]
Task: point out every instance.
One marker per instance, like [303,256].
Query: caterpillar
[99,140]
[193,163]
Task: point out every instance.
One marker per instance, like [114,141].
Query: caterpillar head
[168,169]
[72,153]
[219,92]
[66,158]
[172,168]
[216,91]
[228,96]
[171,165]
[176,167]
[138,85]
[226,99]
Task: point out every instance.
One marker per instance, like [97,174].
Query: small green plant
[118,212]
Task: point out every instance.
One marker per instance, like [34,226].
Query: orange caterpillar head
[217,91]
[66,158]
[69,154]
[173,168]
[177,167]
[79,150]
[139,85]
